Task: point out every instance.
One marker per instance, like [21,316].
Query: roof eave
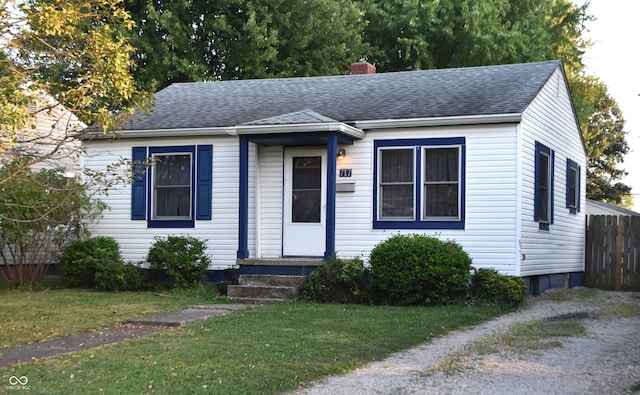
[301,128]
[439,121]
[234,131]
[152,133]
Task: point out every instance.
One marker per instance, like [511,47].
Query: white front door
[304,202]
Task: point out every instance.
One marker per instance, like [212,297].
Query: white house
[49,140]
[298,168]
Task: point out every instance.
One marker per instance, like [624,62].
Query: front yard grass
[31,316]
[267,350]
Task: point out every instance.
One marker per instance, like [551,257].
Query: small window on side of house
[573,186]
[543,194]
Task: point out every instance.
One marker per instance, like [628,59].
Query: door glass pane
[306,194]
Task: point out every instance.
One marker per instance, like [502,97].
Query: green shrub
[78,261]
[489,286]
[418,269]
[181,257]
[336,281]
[119,276]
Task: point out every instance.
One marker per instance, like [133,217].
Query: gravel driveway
[604,360]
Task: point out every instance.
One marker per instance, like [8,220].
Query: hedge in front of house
[183,258]
[79,259]
[96,262]
[489,286]
[336,281]
[418,269]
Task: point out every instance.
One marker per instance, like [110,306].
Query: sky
[615,59]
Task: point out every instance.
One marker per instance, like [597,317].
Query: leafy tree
[60,55]
[460,33]
[40,213]
[189,40]
[186,40]
[63,64]
[603,131]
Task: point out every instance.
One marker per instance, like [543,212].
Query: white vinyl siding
[135,237]
[270,184]
[490,229]
[550,121]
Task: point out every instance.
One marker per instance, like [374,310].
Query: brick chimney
[362,68]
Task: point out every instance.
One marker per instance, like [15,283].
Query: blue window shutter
[536,182]
[578,190]
[139,185]
[204,155]
[568,184]
[552,182]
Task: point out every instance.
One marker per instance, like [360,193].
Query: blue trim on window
[201,185]
[159,224]
[187,223]
[571,165]
[543,149]
[204,198]
[417,222]
[139,185]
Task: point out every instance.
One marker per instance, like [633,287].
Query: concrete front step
[264,288]
[270,280]
[256,301]
[260,291]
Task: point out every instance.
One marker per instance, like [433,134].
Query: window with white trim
[176,189]
[441,183]
[573,186]
[419,183]
[171,186]
[397,183]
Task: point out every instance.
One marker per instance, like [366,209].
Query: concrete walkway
[132,329]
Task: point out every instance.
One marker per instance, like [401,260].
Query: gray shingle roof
[488,90]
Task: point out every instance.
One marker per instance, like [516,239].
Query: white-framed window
[441,196]
[176,190]
[573,186]
[171,186]
[419,183]
[397,183]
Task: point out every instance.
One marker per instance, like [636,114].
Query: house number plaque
[345,172]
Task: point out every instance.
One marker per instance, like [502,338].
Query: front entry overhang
[327,132]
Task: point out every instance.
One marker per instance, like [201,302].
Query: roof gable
[488,90]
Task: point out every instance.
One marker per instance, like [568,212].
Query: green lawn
[31,316]
[267,350]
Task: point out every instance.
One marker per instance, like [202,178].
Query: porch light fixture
[341,153]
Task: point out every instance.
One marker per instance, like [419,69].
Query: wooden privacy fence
[612,252]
